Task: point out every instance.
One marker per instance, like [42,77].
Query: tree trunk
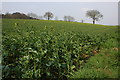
[93,21]
[48,18]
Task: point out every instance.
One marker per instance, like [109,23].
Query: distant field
[57,25]
[55,49]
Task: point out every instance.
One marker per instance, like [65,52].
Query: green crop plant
[50,49]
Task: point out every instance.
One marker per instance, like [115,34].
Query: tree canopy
[16,15]
[69,18]
[94,14]
[48,15]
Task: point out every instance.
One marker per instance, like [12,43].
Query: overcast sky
[60,0]
[60,9]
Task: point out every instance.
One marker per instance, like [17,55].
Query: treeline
[47,16]
[16,15]
[93,14]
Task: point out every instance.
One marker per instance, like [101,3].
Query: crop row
[48,54]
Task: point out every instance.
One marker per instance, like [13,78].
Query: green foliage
[103,65]
[49,49]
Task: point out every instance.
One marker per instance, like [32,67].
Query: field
[58,49]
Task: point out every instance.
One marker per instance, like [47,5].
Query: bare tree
[65,18]
[69,18]
[48,15]
[94,14]
[33,15]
